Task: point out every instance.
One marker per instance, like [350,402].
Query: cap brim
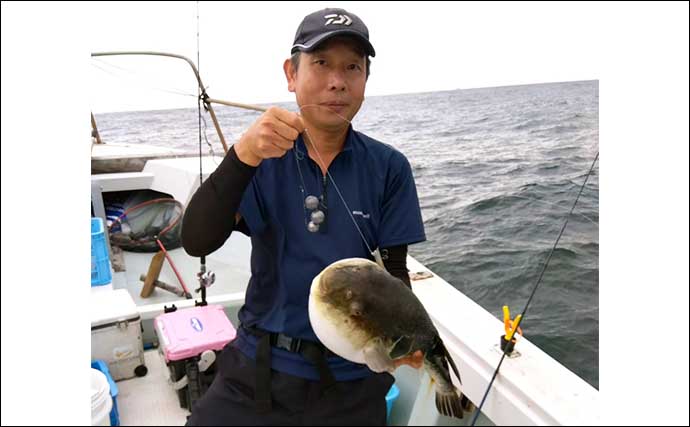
[313,43]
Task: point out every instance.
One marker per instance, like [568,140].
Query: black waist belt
[314,352]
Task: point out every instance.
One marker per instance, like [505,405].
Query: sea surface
[497,171]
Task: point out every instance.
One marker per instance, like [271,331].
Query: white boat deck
[230,264]
[150,400]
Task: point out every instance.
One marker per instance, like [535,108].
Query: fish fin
[466,403]
[449,404]
[449,359]
[377,358]
[402,347]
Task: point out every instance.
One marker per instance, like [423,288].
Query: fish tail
[449,403]
[466,403]
[449,400]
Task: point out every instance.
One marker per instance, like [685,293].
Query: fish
[364,314]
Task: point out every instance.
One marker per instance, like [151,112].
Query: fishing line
[136,80]
[328,173]
[201,98]
[534,290]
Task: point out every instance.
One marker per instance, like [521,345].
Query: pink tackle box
[189,340]
[188,332]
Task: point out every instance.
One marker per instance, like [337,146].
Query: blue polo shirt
[377,184]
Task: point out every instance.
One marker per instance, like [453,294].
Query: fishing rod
[508,348]
[206,277]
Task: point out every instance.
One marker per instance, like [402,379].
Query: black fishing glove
[395,261]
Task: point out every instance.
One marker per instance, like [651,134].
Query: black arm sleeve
[210,217]
[395,261]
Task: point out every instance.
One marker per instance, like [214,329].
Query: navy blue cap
[324,24]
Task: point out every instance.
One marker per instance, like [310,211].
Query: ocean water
[497,171]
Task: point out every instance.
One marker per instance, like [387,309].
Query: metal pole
[238,105]
[208,101]
[217,126]
[94,130]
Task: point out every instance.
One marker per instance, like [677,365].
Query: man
[297,183]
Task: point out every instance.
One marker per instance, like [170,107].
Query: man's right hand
[416,360]
[271,135]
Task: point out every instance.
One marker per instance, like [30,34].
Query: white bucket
[101,402]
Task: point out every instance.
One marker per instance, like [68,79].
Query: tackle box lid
[190,331]
[112,307]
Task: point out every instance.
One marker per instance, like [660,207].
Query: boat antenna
[521,317]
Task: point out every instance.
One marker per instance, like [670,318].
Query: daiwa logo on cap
[196,324]
[342,19]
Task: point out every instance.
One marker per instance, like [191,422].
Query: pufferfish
[362,313]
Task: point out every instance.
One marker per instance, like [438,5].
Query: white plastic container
[101,402]
[116,333]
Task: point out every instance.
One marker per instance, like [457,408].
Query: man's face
[334,78]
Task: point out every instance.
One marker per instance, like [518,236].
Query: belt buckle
[283,342]
[286,343]
[296,345]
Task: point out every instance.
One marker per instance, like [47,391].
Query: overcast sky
[420,47]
